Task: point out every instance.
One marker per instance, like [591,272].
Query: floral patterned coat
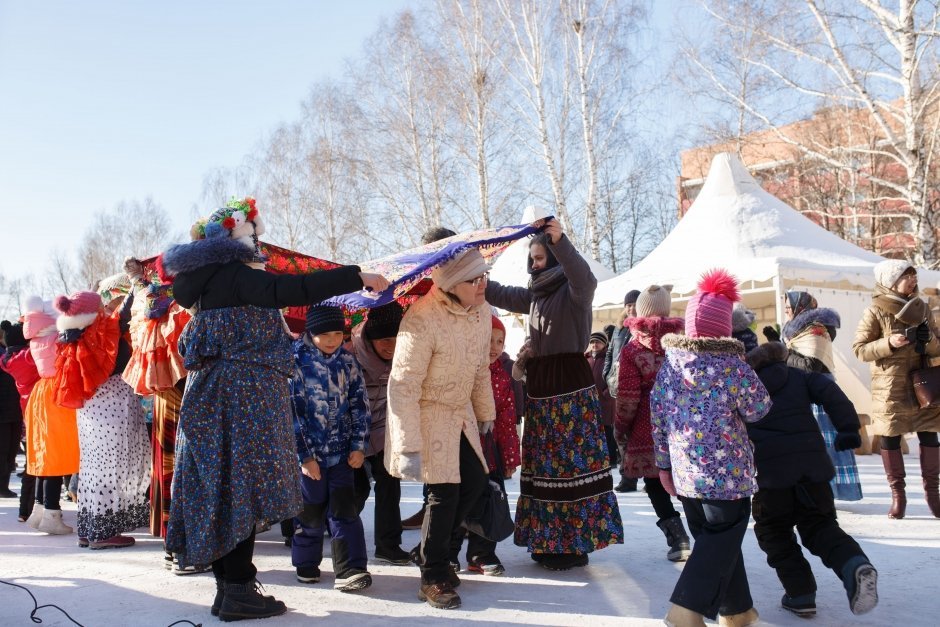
[640,360]
[704,393]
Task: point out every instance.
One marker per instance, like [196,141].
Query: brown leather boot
[893,462]
[930,473]
[439,595]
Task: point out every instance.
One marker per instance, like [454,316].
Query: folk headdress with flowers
[226,219]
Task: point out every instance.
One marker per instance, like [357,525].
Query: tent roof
[735,224]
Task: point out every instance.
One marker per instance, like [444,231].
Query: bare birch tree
[872,58]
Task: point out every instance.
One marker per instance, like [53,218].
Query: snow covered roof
[510,267]
[737,225]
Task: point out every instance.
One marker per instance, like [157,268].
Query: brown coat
[894,409]
[439,387]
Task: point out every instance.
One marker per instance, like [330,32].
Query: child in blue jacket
[331,424]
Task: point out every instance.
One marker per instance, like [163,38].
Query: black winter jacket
[788,446]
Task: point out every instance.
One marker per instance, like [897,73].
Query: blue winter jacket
[330,404]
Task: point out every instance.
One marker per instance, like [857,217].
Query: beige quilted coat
[439,386]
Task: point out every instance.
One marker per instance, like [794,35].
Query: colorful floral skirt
[567,504]
[166,414]
[114,473]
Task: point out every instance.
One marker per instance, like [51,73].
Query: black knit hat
[630,298]
[383,322]
[600,337]
[12,333]
[323,319]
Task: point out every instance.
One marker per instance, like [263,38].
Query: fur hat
[599,336]
[114,286]
[466,266]
[708,313]
[631,297]
[78,310]
[654,301]
[889,271]
[741,318]
[498,325]
[12,333]
[323,319]
[766,354]
[383,322]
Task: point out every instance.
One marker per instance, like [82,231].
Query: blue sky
[105,101]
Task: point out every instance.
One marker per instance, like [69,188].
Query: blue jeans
[713,580]
[332,498]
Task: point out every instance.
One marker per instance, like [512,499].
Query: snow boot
[676,538]
[627,484]
[219,595]
[930,473]
[743,619]
[242,601]
[860,580]
[36,516]
[679,616]
[893,461]
[803,605]
[52,524]
[439,595]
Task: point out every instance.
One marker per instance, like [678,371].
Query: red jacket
[21,366]
[504,431]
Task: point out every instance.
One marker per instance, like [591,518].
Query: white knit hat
[654,301]
[466,266]
[889,271]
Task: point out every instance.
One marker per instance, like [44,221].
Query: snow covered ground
[624,585]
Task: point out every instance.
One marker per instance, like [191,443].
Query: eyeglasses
[483,278]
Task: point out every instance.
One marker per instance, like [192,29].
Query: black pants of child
[660,499]
[713,580]
[448,506]
[9,447]
[387,529]
[810,508]
[478,547]
[236,566]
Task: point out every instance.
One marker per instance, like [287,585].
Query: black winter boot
[676,538]
[243,601]
[219,594]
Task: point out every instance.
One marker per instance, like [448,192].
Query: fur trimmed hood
[820,315]
[717,345]
[654,326]
[767,354]
[194,255]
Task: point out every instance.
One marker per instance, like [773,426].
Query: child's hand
[311,469]
[509,475]
[355,459]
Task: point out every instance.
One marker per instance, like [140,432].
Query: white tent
[770,248]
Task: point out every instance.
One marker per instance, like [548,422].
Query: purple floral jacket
[704,393]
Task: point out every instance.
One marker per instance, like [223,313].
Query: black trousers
[9,447]
[478,547]
[448,506]
[713,580]
[236,566]
[659,498]
[810,508]
[387,528]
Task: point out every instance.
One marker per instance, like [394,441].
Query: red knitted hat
[78,303]
[708,313]
[498,324]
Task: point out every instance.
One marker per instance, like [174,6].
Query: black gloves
[847,441]
[772,334]
[70,336]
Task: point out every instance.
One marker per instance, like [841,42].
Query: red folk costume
[640,360]
[504,431]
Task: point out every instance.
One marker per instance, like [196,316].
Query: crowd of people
[252,425]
